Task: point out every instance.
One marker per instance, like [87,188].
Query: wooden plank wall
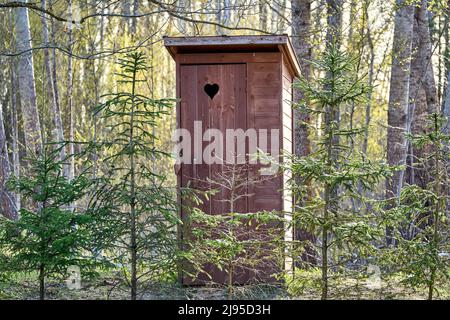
[288,143]
[266,106]
[264,82]
[263,96]
[227,110]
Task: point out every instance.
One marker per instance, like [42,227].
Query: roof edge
[282,41]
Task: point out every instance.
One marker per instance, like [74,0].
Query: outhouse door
[213,96]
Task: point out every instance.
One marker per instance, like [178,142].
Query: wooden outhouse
[236,82]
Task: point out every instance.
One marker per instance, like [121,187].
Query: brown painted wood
[227,110]
[217,58]
[264,107]
[264,104]
[255,87]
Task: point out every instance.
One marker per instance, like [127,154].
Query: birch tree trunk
[278,9]
[58,132]
[15,133]
[13,117]
[352,23]
[27,88]
[226,15]
[54,68]
[126,11]
[134,20]
[71,171]
[399,97]
[370,76]
[182,6]
[219,8]
[263,15]
[222,15]
[6,198]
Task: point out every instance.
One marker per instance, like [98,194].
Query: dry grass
[25,287]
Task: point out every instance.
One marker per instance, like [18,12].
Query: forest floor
[104,289]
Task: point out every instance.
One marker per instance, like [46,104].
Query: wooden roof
[229,44]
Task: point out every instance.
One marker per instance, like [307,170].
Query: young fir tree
[334,170]
[235,243]
[423,256]
[137,209]
[50,235]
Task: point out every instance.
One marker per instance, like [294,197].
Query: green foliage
[136,210]
[338,174]
[421,253]
[235,243]
[49,236]
[229,242]
[304,281]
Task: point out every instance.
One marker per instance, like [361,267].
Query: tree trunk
[183,7]
[219,30]
[417,98]
[71,171]
[58,132]
[54,73]
[6,198]
[446,107]
[263,15]
[222,15]
[352,24]
[15,136]
[226,14]
[333,38]
[446,130]
[399,98]
[439,205]
[423,94]
[334,21]
[27,87]
[126,11]
[446,52]
[416,122]
[133,216]
[42,282]
[301,32]
[278,16]
[370,77]
[134,20]
[428,82]
[13,118]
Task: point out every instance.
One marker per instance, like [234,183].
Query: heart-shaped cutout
[211,89]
